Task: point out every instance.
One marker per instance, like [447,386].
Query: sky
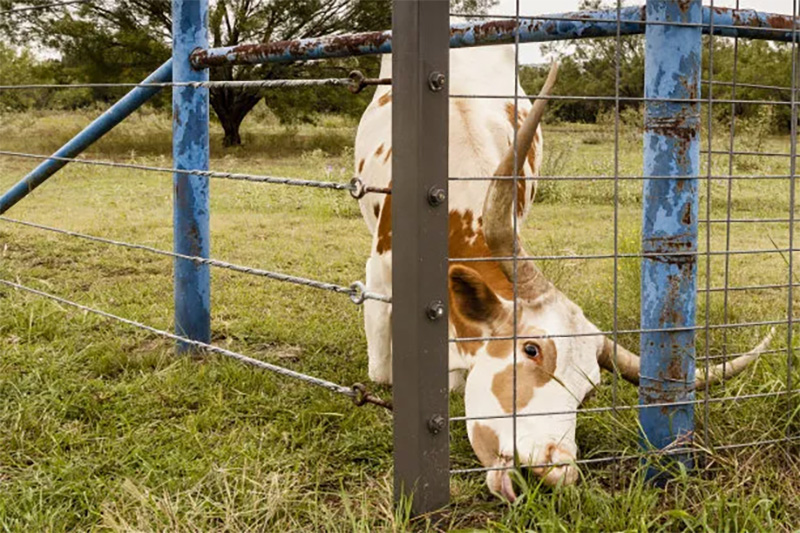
[529,53]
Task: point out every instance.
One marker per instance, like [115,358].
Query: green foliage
[112,41]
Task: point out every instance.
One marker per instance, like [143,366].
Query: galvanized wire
[631,255]
[356,82]
[637,99]
[356,291]
[352,187]
[359,396]
[232,84]
[632,407]
[732,325]
[43,6]
[634,22]
[677,450]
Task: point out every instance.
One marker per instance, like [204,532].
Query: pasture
[104,428]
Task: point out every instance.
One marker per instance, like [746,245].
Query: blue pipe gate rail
[673,31]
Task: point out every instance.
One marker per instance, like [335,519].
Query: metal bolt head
[435,310]
[436,424]
[436,196]
[436,81]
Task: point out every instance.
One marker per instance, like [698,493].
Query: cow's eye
[531,350]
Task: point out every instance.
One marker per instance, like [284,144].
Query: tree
[588,68]
[109,40]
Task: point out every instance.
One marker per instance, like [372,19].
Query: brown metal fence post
[419,261]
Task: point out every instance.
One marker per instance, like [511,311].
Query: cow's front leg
[378,318]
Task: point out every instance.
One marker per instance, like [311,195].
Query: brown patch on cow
[385,226]
[385,98]
[379,151]
[361,166]
[486,444]
[465,241]
[473,305]
[376,209]
[387,156]
[502,328]
[531,374]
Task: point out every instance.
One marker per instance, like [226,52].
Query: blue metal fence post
[669,225]
[190,149]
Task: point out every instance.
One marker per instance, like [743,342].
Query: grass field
[104,428]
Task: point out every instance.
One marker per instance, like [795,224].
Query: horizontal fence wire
[678,450]
[356,392]
[355,84]
[357,293]
[626,255]
[601,177]
[233,84]
[631,407]
[639,99]
[523,19]
[636,331]
[43,6]
[353,187]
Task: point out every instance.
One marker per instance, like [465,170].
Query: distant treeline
[588,68]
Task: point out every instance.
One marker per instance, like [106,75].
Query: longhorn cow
[553,374]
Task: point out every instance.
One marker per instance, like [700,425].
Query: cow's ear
[472,298]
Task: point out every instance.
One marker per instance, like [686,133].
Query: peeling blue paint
[746,23]
[669,223]
[190,151]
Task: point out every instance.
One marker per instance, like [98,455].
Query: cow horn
[628,364]
[527,131]
[498,208]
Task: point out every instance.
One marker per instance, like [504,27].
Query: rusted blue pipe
[565,26]
[669,224]
[91,133]
[190,151]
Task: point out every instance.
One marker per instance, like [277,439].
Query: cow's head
[558,353]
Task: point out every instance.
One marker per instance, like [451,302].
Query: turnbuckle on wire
[358,190]
[358,82]
[363,396]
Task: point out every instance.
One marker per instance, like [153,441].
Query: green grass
[104,428]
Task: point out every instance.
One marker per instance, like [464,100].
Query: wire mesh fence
[719,272]
[690,265]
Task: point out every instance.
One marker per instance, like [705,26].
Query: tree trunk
[231,106]
[230,126]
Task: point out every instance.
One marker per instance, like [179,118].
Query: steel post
[669,224]
[190,151]
[419,253]
[91,133]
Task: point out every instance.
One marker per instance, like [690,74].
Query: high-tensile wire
[254,178]
[356,392]
[356,291]
[43,6]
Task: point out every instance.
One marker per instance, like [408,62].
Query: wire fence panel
[474,312]
[691,334]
